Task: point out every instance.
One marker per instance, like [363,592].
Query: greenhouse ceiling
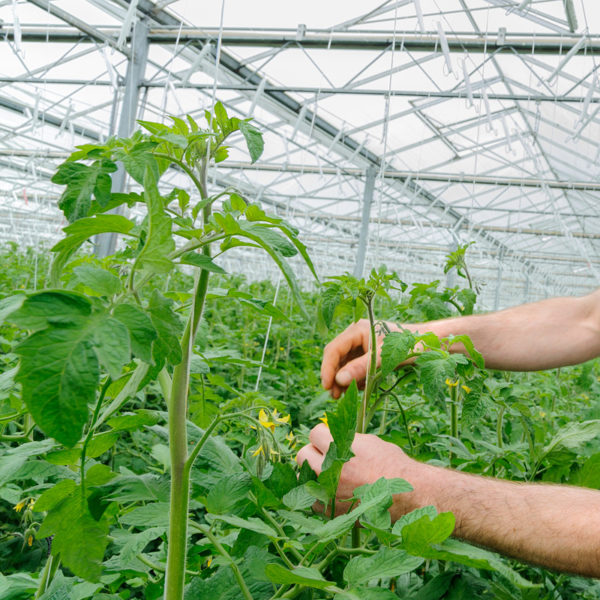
[394,130]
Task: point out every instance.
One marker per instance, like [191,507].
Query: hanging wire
[264,351]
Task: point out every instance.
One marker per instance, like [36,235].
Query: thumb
[355,369]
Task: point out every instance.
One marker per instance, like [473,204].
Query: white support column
[364,226]
[106,243]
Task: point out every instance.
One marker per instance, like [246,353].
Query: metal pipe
[316,38]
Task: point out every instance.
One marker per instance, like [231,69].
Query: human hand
[346,357]
[373,458]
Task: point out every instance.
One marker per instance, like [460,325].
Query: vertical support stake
[364,226]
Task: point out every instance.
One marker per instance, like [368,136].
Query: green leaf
[137,159]
[387,562]
[59,368]
[201,260]
[342,422]
[573,435]
[82,183]
[306,576]
[397,345]
[330,298]
[252,524]
[79,539]
[79,232]
[366,593]
[100,281]
[156,513]
[379,516]
[141,330]
[254,140]
[250,231]
[299,498]
[51,306]
[159,242]
[112,345]
[10,304]
[227,492]
[472,556]
[589,474]
[465,340]
[419,535]
[168,328]
[133,421]
[282,479]
[52,496]
[100,443]
[434,368]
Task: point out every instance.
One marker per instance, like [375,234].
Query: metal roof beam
[313,38]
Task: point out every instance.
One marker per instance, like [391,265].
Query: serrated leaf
[100,281]
[299,498]
[141,330]
[156,513]
[79,539]
[159,243]
[52,496]
[133,421]
[80,231]
[342,422]
[379,517]
[227,492]
[254,140]
[305,576]
[434,368]
[419,535]
[330,298]
[83,182]
[112,344]
[386,562]
[252,524]
[168,328]
[201,260]
[465,340]
[397,345]
[58,388]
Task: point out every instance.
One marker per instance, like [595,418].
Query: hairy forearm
[557,527]
[543,335]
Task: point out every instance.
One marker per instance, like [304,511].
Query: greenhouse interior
[399,161]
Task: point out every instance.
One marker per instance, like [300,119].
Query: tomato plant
[144,456]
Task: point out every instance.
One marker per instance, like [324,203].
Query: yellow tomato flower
[451,383]
[324,419]
[466,388]
[285,419]
[20,506]
[290,437]
[542,414]
[263,419]
[259,450]
[30,540]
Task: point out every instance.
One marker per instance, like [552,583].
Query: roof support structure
[106,243]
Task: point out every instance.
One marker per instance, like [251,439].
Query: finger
[310,454]
[335,352]
[355,369]
[320,438]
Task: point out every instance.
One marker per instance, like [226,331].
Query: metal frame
[525,193]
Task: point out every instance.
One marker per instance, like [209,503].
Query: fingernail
[343,378]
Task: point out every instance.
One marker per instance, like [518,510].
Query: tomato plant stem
[453,417]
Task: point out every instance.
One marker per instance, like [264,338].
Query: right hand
[346,357]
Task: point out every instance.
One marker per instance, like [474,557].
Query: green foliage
[86,405]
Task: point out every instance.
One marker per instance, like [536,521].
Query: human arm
[555,526]
[542,335]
